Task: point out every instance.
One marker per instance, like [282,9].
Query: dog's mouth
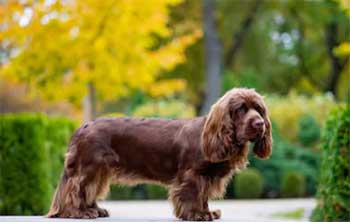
[255,135]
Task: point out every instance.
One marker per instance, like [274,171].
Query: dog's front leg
[215,214]
[190,199]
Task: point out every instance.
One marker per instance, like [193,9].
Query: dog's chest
[214,170]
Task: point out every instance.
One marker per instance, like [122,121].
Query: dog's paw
[216,214]
[102,212]
[89,213]
[199,216]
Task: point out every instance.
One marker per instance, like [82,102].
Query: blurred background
[63,62]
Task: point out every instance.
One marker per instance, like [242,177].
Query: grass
[294,214]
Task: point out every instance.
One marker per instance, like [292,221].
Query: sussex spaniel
[195,158]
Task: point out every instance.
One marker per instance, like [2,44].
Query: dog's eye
[242,109]
[260,110]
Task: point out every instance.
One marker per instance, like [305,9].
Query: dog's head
[238,117]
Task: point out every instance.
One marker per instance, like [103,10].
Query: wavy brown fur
[194,158]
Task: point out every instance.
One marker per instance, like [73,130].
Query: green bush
[288,120]
[293,184]
[248,184]
[139,192]
[30,163]
[24,184]
[118,192]
[309,131]
[59,131]
[286,157]
[156,192]
[333,194]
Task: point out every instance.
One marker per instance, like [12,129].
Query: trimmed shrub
[25,182]
[139,192]
[119,192]
[286,157]
[156,192]
[293,184]
[333,194]
[30,163]
[248,184]
[309,131]
[58,133]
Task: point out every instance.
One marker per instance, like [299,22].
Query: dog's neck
[240,161]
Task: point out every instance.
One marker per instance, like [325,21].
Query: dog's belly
[139,167]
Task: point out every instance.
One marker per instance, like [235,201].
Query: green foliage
[309,130]
[118,192]
[333,192]
[156,192]
[228,81]
[287,112]
[31,158]
[286,157]
[139,192]
[170,109]
[293,184]
[248,184]
[25,183]
[58,133]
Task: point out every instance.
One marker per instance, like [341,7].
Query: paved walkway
[161,211]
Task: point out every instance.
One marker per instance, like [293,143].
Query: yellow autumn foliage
[58,47]
[164,108]
[287,111]
[343,49]
[345,4]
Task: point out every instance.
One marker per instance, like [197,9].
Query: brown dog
[195,158]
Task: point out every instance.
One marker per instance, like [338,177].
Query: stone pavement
[161,211]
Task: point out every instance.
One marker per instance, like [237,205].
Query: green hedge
[293,184]
[59,131]
[139,192]
[120,192]
[31,158]
[333,194]
[156,192]
[248,184]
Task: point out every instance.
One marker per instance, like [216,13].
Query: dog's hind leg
[102,191]
[70,200]
[78,191]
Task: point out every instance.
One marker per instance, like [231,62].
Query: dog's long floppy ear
[218,132]
[263,146]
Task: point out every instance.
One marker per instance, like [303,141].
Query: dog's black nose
[257,124]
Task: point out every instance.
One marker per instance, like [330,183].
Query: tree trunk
[89,103]
[212,51]
[336,65]
[238,38]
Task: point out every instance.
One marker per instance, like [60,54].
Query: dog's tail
[59,197]
[66,195]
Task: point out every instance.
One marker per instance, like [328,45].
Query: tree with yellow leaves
[70,50]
